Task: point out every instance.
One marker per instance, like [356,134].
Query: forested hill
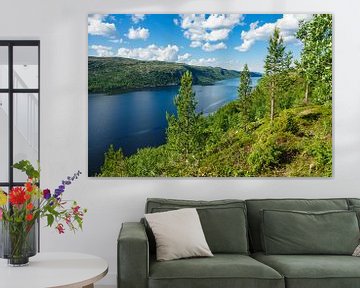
[116,74]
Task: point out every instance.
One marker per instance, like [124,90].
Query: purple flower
[46,194]
[58,192]
[64,183]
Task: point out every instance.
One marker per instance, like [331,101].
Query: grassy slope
[116,74]
[298,143]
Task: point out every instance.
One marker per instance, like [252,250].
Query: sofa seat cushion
[222,270]
[314,271]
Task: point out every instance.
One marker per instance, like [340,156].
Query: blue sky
[224,40]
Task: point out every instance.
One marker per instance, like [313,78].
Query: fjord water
[137,119]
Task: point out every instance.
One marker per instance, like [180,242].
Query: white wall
[61,25]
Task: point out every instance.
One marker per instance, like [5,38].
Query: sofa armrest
[133,256]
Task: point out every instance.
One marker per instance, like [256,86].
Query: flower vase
[18,242]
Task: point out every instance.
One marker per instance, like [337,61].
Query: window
[19,108]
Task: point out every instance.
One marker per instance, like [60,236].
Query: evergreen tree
[183,133]
[114,164]
[244,92]
[316,56]
[276,62]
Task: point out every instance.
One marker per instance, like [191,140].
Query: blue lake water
[138,119]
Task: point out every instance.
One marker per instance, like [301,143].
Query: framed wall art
[210,95]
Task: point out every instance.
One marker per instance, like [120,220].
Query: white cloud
[216,35]
[218,21]
[202,62]
[151,52]
[98,26]
[138,33]
[102,51]
[184,57]
[195,44]
[200,28]
[117,40]
[288,25]
[136,18]
[212,47]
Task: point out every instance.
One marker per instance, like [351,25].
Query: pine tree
[183,133]
[316,57]
[244,92]
[276,62]
[114,163]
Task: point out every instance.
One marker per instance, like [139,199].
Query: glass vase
[18,242]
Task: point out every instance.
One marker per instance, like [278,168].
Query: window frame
[10,91]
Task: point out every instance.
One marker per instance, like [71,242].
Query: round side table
[54,270]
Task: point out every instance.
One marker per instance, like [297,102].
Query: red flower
[29,186]
[27,196]
[29,206]
[29,217]
[75,209]
[68,219]
[17,196]
[60,228]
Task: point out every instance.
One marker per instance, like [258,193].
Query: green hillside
[297,143]
[116,74]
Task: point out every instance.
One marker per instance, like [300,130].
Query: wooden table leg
[89,286]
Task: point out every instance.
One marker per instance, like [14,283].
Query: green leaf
[50,219]
[26,167]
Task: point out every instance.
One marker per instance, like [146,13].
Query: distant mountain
[116,74]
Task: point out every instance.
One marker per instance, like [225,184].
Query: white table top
[45,270]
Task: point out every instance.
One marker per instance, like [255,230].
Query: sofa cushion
[223,221]
[178,234]
[313,271]
[297,232]
[222,270]
[353,201]
[255,206]
[356,209]
[354,205]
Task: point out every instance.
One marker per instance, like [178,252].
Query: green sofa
[233,231]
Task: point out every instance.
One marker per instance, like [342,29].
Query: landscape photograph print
[210,95]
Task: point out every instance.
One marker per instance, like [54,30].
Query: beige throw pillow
[357,251]
[178,234]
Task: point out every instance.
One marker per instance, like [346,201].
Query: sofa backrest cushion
[354,205]
[353,202]
[223,221]
[255,206]
[298,232]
